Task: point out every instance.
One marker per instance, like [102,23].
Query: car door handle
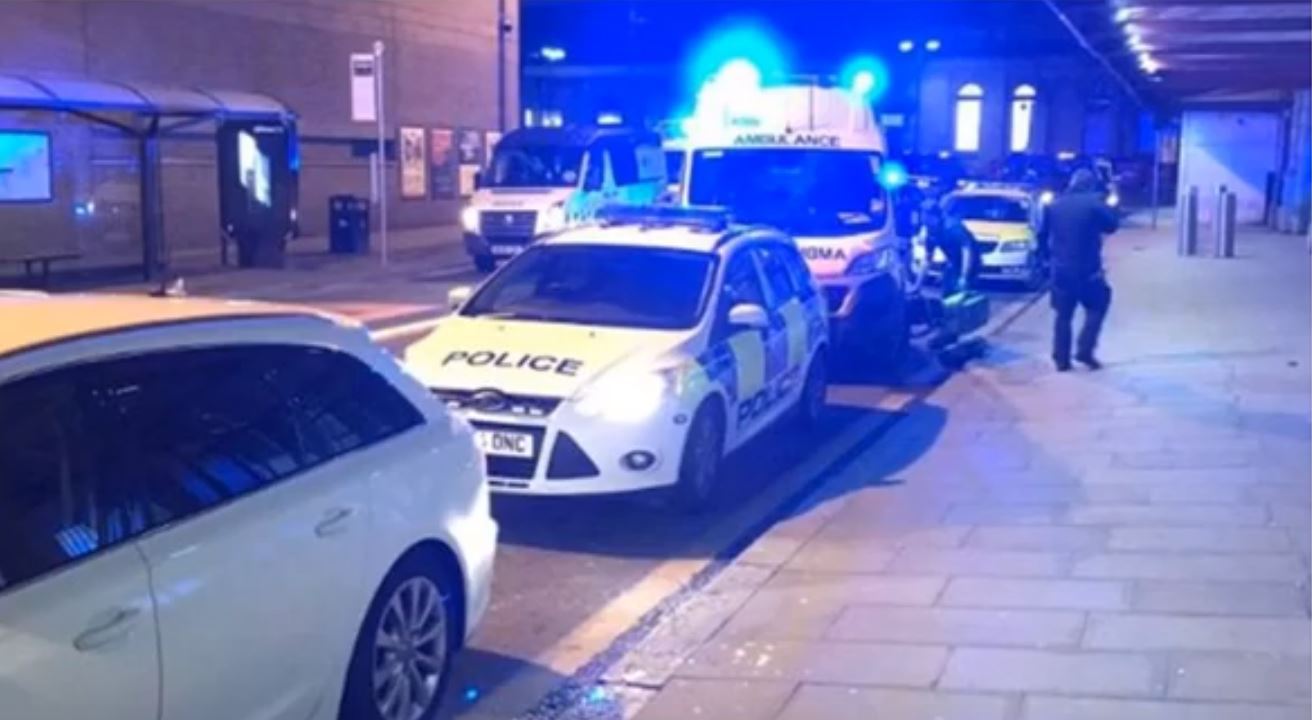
[118,624]
[333,522]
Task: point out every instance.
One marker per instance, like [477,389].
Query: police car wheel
[812,403]
[703,451]
[485,263]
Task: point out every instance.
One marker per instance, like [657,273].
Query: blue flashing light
[738,43]
[471,694]
[863,82]
[892,175]
[867,76]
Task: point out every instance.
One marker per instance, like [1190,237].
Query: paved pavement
[1131,544]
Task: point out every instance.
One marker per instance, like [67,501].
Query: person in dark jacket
[1072,231]
[945,231]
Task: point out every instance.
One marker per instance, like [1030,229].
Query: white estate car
[631,354]
[226,511]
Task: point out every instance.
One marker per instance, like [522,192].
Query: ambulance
[631,354]
[541,180]
[806,159]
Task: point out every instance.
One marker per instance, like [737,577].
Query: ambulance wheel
[703,457]
[811,405]
[485,263]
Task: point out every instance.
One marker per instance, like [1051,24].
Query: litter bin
[348,225]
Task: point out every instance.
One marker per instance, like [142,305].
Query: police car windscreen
[992,209]
[636,287]
[812,193]
[524,166]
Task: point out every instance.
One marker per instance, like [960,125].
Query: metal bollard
[1227,210]
[1187,224]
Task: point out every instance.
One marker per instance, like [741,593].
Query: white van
[806,159]
[542,180]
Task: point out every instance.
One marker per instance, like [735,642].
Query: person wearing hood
[1072,231]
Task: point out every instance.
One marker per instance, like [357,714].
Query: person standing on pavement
[1072,231]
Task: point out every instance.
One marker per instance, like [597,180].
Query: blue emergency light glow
[867,76]
[740,44]
[892,175]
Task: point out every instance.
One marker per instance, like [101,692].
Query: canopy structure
[147,112]
[91,96]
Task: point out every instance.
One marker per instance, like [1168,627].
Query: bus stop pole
[382,151]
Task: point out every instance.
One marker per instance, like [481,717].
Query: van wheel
[703,458]
[402,658]
[485,263]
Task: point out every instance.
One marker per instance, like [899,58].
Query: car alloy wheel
[410,648]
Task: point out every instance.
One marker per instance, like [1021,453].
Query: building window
[970,113]
[1022,117]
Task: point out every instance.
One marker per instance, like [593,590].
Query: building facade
[442,59]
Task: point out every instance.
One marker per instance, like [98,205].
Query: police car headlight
[469,219]
[551,219]
[626,397]
[870,263]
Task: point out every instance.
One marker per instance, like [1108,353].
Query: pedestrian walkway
[1130,544]
[422,264]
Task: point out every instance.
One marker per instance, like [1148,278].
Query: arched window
[1022,117]
[970,113]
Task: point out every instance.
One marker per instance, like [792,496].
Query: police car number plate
[506,250]
[505,444]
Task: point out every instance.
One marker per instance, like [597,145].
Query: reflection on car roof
[29,320]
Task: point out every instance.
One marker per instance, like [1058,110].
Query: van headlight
[875,261]
[550,219]
[469,219]
[624,397]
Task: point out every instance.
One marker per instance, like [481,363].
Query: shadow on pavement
[486,685]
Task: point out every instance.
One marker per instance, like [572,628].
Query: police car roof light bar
[710,219]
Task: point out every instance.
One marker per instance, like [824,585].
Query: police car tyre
[485,263]
[703,458]
[402,658]
[811,405]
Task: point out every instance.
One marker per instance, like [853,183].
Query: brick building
[441,73]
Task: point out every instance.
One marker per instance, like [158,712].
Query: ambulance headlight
[469,219]
[551,219]
[625,397]
[877,261]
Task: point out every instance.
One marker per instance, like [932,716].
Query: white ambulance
[807,159]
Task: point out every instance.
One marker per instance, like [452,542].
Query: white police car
[631,354]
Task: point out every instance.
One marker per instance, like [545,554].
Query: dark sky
[817,33]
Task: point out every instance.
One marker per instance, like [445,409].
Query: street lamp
[933,45]
[906,46]
[553,54]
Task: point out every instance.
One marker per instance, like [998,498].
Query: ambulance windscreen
[807,193]
[633,287]
[525,166]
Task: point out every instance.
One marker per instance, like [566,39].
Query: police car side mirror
[456,297]
[750,316]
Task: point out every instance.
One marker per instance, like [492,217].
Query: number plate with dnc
[505,444]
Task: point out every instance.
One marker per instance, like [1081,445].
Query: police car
[631,354]
[1003,219]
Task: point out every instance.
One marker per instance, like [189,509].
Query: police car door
[739,351]
[787,341]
